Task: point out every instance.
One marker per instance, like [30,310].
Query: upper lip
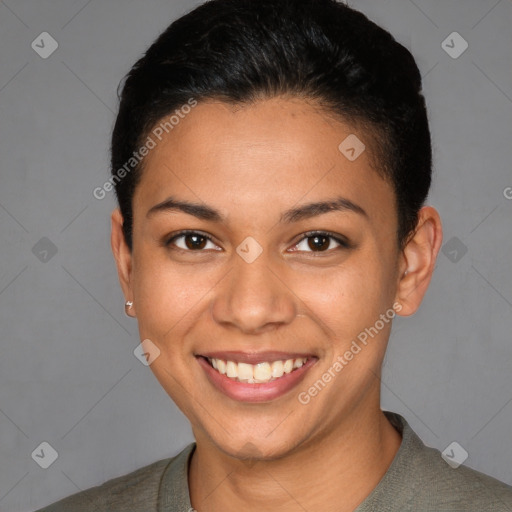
[255,357]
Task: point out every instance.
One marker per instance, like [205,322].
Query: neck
[335,472]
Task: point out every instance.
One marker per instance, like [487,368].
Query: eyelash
[343,244]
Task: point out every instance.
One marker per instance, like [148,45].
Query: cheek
[167,296]
[348,298]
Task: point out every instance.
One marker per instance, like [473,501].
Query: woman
[271,161]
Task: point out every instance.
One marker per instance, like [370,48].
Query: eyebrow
[306,211]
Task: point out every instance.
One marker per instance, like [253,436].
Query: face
[262,277]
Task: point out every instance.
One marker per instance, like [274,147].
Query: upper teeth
[256,373]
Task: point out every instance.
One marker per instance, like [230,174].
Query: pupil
[324,244]
[195,244]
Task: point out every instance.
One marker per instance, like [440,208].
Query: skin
[252,163]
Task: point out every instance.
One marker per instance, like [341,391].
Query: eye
[313,241]
[187,240]
[320,241]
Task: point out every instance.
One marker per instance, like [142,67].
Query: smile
[255,376]
[256,373]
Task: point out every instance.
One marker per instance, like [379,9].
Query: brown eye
[190,241]
[320,242]
[195,241]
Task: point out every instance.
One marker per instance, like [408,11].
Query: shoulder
[461,488]
[135,491]
[423,480]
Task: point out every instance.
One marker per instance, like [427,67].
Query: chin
[257,446]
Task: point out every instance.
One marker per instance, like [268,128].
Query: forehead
[268,154]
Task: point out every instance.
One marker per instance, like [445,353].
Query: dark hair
[240,51]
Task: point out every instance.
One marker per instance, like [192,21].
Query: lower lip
[260,392]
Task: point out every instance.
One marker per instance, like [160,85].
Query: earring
[127,306]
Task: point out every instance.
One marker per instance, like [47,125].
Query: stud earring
[127,306]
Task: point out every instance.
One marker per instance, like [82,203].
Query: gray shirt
[418,480]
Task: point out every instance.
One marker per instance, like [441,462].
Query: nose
[253,298]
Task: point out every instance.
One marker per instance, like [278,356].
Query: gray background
[68,375]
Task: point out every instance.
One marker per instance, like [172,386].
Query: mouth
[255,377]
[256,373]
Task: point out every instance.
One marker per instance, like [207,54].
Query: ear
[418,261]
[123,258]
